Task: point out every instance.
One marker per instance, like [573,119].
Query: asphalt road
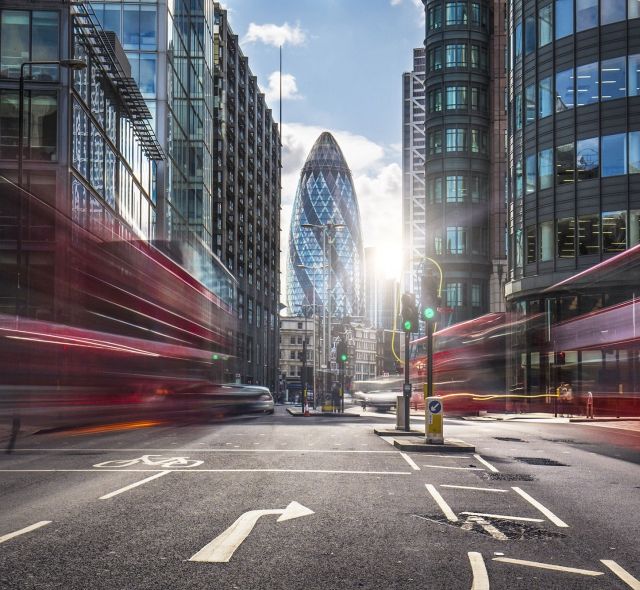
[343,508]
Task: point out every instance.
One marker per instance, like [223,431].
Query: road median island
[418,444]
[315,413]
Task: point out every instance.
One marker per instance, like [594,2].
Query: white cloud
[377,177]
[289,87]
[417,3]
[275,35]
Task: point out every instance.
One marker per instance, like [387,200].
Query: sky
[342,72]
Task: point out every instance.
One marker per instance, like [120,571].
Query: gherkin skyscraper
[325,238]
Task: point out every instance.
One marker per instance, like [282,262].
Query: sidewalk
[546,417]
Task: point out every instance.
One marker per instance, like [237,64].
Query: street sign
[434,420]
[406,389]
[435,407]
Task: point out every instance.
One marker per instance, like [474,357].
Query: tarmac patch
[540,461]
[510,439]
[507,476]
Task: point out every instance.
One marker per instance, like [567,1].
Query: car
[380,401]
[259,398]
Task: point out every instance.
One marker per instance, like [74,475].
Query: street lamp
[326,228]
[71,64]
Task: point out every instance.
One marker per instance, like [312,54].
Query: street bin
[401,400]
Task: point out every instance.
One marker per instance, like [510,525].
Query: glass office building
[326,256]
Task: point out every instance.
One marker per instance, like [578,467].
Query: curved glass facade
[326,199]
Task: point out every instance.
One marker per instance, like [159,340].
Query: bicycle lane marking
[133,485]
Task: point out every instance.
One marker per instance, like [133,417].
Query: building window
[587,84]
[517,41]
[476,295]
[478,189]
[588,235]
[612,11]
[613,78]
[456,240]
[566,239]
[564,18]
[634,228]
[634,8]
[614,231]
[456,139]
[518,248]
[478,99]
[478,141]
[546,241]
[634,152]
[456,189]
[435,190]
[588,158]
[531,244]
[518,179]
[454,294]
[529,35]
[530,171]
[457,97]
[634,73]
[456,55]
[434,100]
[545,98]
[435,59]
[292,340]
[530,103]
[545,168]
[565,98]
[517,111]
[479,240]
[292,355]
[545,25]
[565,163]
[80,149]
[478,15]
[456,13]
[435,141]
[434,17]
[614,154]
[478,57]
[586,14]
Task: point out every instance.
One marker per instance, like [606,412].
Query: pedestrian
[590,405]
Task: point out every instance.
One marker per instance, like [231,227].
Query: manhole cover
[507,476]
[509,439]
[540,461]
[513,531]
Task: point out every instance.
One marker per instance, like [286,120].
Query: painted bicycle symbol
[152,460]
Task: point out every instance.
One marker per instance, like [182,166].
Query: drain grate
[507,476]
[514,531]
[509,439]
[540,461]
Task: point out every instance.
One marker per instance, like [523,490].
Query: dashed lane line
[486,464]
[503,516]
[548,566]
[497,490]
[446,509]
[411,462]
[27,529]
[457,468]
[133,485]
[623,574]
[543,509]
[479,569]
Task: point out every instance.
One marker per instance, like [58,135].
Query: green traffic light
[429,313]
[343,357]
[407,325]
[215,357]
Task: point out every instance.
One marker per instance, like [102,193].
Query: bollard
[434,419]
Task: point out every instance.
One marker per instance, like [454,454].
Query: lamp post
[327,229]
[72,64]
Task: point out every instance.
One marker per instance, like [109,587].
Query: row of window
[455,294]
[457,139]
[588,14]
[457,55]
[457,13]
[457,97]
[607,233]
[609,155]
[459,241]
[606,80]
[457,188]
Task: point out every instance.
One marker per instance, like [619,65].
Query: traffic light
[410,316]
[429,300]
[341,352]
[560,358]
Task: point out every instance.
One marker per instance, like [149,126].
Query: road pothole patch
[510,439]
[506,476]
[540,461]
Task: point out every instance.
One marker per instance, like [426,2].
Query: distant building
[293,331]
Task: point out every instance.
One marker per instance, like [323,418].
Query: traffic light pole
[406,390]
[429,358]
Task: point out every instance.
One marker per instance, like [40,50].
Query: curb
[418,445]
[300,413]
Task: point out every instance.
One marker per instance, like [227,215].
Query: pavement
[284,502]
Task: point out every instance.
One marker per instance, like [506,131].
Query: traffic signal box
[429,300]
[341,352]
[410,315]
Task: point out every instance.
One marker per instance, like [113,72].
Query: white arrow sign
[222,548]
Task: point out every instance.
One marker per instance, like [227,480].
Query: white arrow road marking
[548,566]
[486,463]
[133,485]
[27,529]
[623,574]
[446,509]
[222,548]
[486,525]
[480,577]
[550,515]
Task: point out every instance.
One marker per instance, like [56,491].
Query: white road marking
[623,574]
[446,509]
[548,566]
[459,468]
[479,569]
[133,485]
[208,471]
[550,515]
[486,525]
[504,516]
[486,463]
[498,490]
[27,529]
[411,462]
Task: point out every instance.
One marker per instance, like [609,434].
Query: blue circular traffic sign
[435,407]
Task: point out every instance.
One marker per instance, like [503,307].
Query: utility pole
[410,324]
